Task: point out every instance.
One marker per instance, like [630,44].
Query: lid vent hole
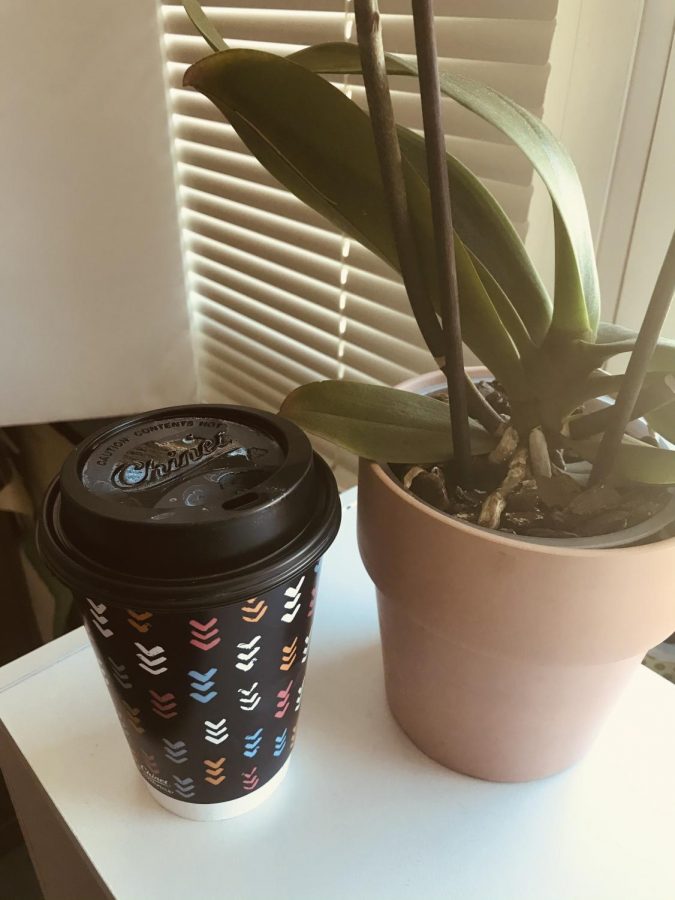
[242,500]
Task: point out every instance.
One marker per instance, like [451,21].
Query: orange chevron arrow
[289,656]
[253,611]
[139,620]
[214,780]
[134,718]
[214,771]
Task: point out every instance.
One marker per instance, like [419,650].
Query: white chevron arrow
[251,643]
[150,659]
[293,605]
[249,698]
[216,732]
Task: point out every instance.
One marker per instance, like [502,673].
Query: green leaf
[577,301]
[635,461]
[204,25]
[657,393]
[488,234]
[483,329]
[505,310]
[378,422]
[662,421]
[615,339]
[332,166]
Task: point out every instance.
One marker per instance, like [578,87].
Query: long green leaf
[635,461]
[483,329]
[488,234]
[378,422]
[613,340]
[656,394]
[577,303]
[204,25]
[331,166]
[320,146]
[663,421]
[505,310]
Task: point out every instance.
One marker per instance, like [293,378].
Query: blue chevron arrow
[205,677]
[280,742]
[252,743]
[204,698]
[202,687]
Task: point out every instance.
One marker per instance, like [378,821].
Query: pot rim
[571,547]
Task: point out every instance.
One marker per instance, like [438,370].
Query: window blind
[277,296]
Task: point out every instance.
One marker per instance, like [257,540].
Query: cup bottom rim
[228,809]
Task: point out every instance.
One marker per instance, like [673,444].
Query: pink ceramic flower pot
[502,657]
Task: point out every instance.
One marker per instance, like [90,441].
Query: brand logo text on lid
[150,472]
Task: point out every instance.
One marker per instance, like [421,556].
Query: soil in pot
[559,507]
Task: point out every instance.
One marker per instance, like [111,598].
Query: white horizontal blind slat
[278,297]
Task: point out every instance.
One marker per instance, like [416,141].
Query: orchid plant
[403,196]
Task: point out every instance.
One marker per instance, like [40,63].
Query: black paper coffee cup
[192,538]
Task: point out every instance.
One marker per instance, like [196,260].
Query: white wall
[93,314]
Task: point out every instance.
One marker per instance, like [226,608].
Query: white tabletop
[362,813]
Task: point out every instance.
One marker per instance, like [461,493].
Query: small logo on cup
[149,472]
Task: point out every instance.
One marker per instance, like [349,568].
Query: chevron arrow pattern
[280,742]
[289,655]
[175,751]
[283,701]
[150,762]
[139,620]
[119,673]
[252,743]
[250,779]
[247,655]
[216,732]
[163,705]
[254,717]
[253,610]
[152,660]
[295,728]
[98,618]
[184,787]
[134,718]
[204,634]
[292,605]
[214,770]
[202,684]
[249,699]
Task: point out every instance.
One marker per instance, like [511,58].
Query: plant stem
[441,209]
[637,368]
[374,66]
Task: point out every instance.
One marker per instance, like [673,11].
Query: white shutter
[278,296]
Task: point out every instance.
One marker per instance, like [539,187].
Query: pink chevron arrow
[163,705]
[250,779]
[283,701]
[204,634]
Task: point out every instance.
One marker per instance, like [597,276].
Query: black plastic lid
[191,502]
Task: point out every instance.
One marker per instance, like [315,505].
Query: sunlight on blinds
[278,297]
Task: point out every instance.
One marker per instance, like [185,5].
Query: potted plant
[513,521]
